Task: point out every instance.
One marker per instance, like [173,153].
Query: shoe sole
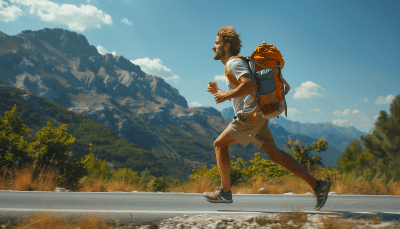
[218,201]
[325,198]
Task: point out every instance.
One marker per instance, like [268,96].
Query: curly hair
[229,35]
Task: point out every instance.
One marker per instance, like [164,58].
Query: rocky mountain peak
[65,41]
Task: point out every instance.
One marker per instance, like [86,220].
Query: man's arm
[246,86]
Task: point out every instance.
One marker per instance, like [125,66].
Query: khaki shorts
[244,131]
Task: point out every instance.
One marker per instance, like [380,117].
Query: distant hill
[35,112]
[228,113]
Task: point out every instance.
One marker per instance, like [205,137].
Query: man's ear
[227,46]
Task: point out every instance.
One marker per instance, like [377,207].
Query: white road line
[171,212]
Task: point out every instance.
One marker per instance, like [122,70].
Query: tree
[354,158]
[13,147]
[51,146]
[384,142]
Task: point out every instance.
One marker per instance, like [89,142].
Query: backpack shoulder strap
[230,78]
[233,80]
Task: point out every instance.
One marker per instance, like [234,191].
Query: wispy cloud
[293,112]
[340,122]
[316,110]
[9,12]
[78,18]
[196,104]
[381,100]
[364,100]
[309,90]
[126,21]
[220,78]
[155,67]
[103,51]
[347,112]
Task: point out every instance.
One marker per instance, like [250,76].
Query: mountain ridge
[110,90]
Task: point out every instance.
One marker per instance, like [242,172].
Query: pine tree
[354,159]
[384,142]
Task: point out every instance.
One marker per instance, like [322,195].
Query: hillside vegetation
[107,145]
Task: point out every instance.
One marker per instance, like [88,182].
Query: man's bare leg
[223,161]
[281,157]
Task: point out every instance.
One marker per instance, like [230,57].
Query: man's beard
[219,55]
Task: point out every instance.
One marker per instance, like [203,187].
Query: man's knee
[218,144]
[223,141]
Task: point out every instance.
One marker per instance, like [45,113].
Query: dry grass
[92,185]
[349,184]
[198,186]
[29,178]
[341,184]
[121,185]
[51,220]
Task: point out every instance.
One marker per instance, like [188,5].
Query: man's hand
[220,96]
[212,87]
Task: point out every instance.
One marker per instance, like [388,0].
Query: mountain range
[61,66]
[337,136]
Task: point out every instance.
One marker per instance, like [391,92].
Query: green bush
[126,175]
[74,170]
[157,184]
[95,167]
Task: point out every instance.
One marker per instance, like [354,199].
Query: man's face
[218,49]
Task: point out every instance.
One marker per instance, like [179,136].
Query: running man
[243,130]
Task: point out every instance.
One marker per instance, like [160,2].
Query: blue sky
[342,57]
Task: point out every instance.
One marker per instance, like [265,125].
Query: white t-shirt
[237,68]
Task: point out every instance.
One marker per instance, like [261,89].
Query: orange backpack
[265,66]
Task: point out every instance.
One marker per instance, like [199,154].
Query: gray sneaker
[218,196]
[321,193]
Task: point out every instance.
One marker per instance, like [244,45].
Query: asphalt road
[153,207]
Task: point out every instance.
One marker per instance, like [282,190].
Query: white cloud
[220,78]
[365,120]
[76,18]
[316,110]
[155,67]
[347,112]
[376,117]
[126,21]
[293,112]
[381,100]
[103,51]
[340,122]
[9,12]
[365,100]
[309,90]
[196,104]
